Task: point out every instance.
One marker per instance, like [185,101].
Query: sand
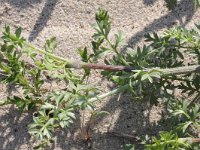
[70,22]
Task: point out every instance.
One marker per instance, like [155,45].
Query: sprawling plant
[171,4]
[147,72]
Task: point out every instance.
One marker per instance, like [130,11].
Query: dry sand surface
[70,22]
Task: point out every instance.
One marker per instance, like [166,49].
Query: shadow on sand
[183,11]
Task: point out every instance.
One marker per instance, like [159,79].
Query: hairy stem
[73,64]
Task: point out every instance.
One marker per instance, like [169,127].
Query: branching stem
[73,64]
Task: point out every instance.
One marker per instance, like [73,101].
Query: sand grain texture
[70,22]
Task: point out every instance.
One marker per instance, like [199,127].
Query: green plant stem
[71,64]
[110,93]
[115,50]
[179,70]
[46,53]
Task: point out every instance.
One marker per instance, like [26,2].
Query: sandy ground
[70,22]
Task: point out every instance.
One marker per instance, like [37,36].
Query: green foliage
[183,111]
[171,4]
[56,109]
[128,147]
[11,64]
[168,141]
